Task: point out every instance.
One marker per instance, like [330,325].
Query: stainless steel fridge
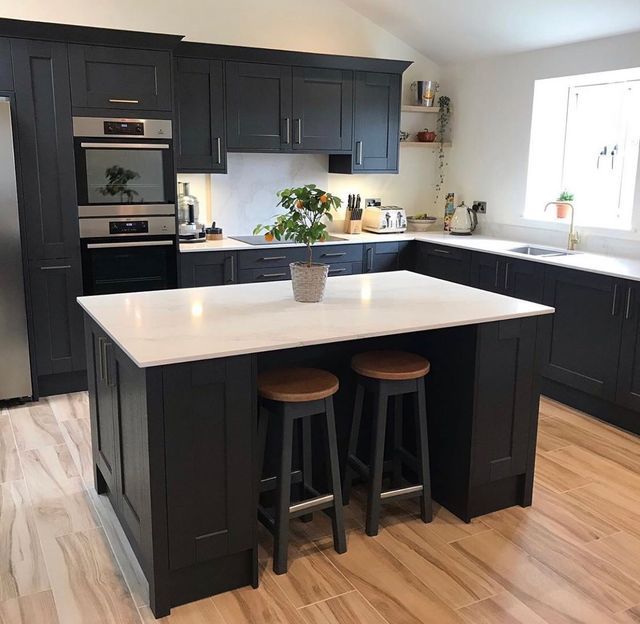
[15,366]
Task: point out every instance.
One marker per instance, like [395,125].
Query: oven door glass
[124,175]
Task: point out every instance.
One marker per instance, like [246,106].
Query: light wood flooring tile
[632,616]
[613,445]
[556,476]
[9,461]
[453,577]
[394,591]
[501,609]
[35,426]
[60,501]
[598,468]
[86,581]
[77,433]
[450,528]
[199,612]
[131,570]
[267,604]
[32,609]
[68,406]
[310,576]
[22,567]
[350,608]
[621,550]
[596,578]
[614,505]
[531,582]
[547,441]
[568,518]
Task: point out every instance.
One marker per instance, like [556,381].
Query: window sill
[563,224]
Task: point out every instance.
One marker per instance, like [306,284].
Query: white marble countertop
[627,268]
[183,325]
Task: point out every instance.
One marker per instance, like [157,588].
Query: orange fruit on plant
[299,203]
[268,236]
[324,198]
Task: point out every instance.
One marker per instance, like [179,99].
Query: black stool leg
[397,441]
[281,533]
[353,442]
[426,511]
[307,462]
[337,515]
[376,463]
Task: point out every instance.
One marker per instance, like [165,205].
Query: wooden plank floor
[573,557]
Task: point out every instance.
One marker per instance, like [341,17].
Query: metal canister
[425,92]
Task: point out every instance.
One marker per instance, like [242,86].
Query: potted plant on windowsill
[307,208]
[562,204]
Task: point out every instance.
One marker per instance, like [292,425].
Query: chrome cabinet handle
[268,258]
[359,152]
[369,259]
[334,255]
[287,123]
[273,275]
[495,281]
[614,302]
[120,101]
[162,243]
[55,268]
[151,146]
[442,251]
[506,275]
[336,271]
[219,143]
[627,310]
[299,124]
[232,269]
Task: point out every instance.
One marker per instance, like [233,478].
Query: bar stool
[287,395]
[387,374]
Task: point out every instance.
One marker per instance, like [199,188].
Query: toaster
[384,219]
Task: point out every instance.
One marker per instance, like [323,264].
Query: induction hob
[260,240]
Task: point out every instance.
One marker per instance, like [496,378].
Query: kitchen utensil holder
[352,226]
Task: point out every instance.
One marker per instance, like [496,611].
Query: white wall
[491,129]
[247,194]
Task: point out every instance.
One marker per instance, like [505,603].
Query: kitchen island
[172,386]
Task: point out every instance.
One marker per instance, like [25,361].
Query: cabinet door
[380,257]
[447,263]
[210,422]
[376,122]
[504,413]
[57,320]
[259,107]
[45,138]
[487,272]
[583,336]
[104,77]
[523,279]
[207,268]
[628,391]
[200,140]
[322,109]
[6,73]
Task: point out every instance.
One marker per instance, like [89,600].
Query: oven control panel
[120,128]
[128,227]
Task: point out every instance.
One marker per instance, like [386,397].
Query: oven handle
[129,244]
[127,145]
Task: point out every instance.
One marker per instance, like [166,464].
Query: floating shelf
[420,109]
[432,145]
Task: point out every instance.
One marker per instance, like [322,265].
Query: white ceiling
[449,31]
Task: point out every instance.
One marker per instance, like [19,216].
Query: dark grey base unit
[173,450]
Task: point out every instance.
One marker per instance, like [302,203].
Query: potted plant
[562,204]
[304,222]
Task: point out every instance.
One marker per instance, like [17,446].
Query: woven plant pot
[308,281]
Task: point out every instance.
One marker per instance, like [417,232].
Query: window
[585,137]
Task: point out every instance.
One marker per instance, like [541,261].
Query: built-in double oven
[126,204]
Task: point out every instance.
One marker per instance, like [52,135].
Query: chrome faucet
[573,239]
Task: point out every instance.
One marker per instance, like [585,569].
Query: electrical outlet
[480,207]
[373,201]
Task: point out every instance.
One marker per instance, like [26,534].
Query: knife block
[352,227]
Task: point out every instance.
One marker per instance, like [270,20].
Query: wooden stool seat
[390,365]
[297,385]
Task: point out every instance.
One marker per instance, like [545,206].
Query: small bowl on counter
[415,224]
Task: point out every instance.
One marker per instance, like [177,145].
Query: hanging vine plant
[444,115]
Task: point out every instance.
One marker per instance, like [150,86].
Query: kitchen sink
[528,250]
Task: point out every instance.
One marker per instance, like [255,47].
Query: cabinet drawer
[104,77]
[266,258]
[329,254]
[267,274]
[345,268]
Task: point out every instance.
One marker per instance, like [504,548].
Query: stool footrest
[359,466]
[405,492]
[309,506]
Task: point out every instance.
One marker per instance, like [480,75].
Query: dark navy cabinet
[522,279]
[212,268]
[120,78]
[6,73]
[444,262]
[628,389]
[200,129]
